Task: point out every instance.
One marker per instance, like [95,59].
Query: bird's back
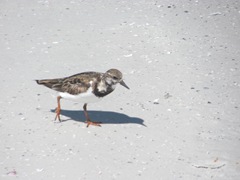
[74,84]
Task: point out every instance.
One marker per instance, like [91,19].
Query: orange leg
[88,121]
[58,110]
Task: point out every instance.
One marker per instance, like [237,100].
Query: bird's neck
[103,88]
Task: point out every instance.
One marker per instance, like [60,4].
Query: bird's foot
[89,122]
[58,112]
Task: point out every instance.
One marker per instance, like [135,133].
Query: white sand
[181,61]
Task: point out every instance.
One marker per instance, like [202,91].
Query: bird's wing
[78,83]
[74,84]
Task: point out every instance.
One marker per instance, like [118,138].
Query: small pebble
[156,101]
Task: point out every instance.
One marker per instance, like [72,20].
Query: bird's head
[114,76]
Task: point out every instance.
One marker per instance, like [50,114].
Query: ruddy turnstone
[84,87]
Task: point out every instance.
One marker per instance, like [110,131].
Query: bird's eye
[115,78]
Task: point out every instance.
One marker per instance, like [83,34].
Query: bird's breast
[85,97]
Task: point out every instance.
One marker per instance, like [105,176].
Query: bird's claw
[58,112]
[89,122]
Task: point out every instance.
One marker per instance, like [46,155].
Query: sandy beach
[179,120]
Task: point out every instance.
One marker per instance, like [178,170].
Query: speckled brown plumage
[74,84]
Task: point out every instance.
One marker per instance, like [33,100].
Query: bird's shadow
[105,117]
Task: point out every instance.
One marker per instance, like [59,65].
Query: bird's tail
[50,83]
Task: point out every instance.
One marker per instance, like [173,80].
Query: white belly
[87,97]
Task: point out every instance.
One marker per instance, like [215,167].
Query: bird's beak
[123,84]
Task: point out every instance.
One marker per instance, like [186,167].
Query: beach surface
[179,120]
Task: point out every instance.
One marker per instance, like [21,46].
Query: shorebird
[86,87]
